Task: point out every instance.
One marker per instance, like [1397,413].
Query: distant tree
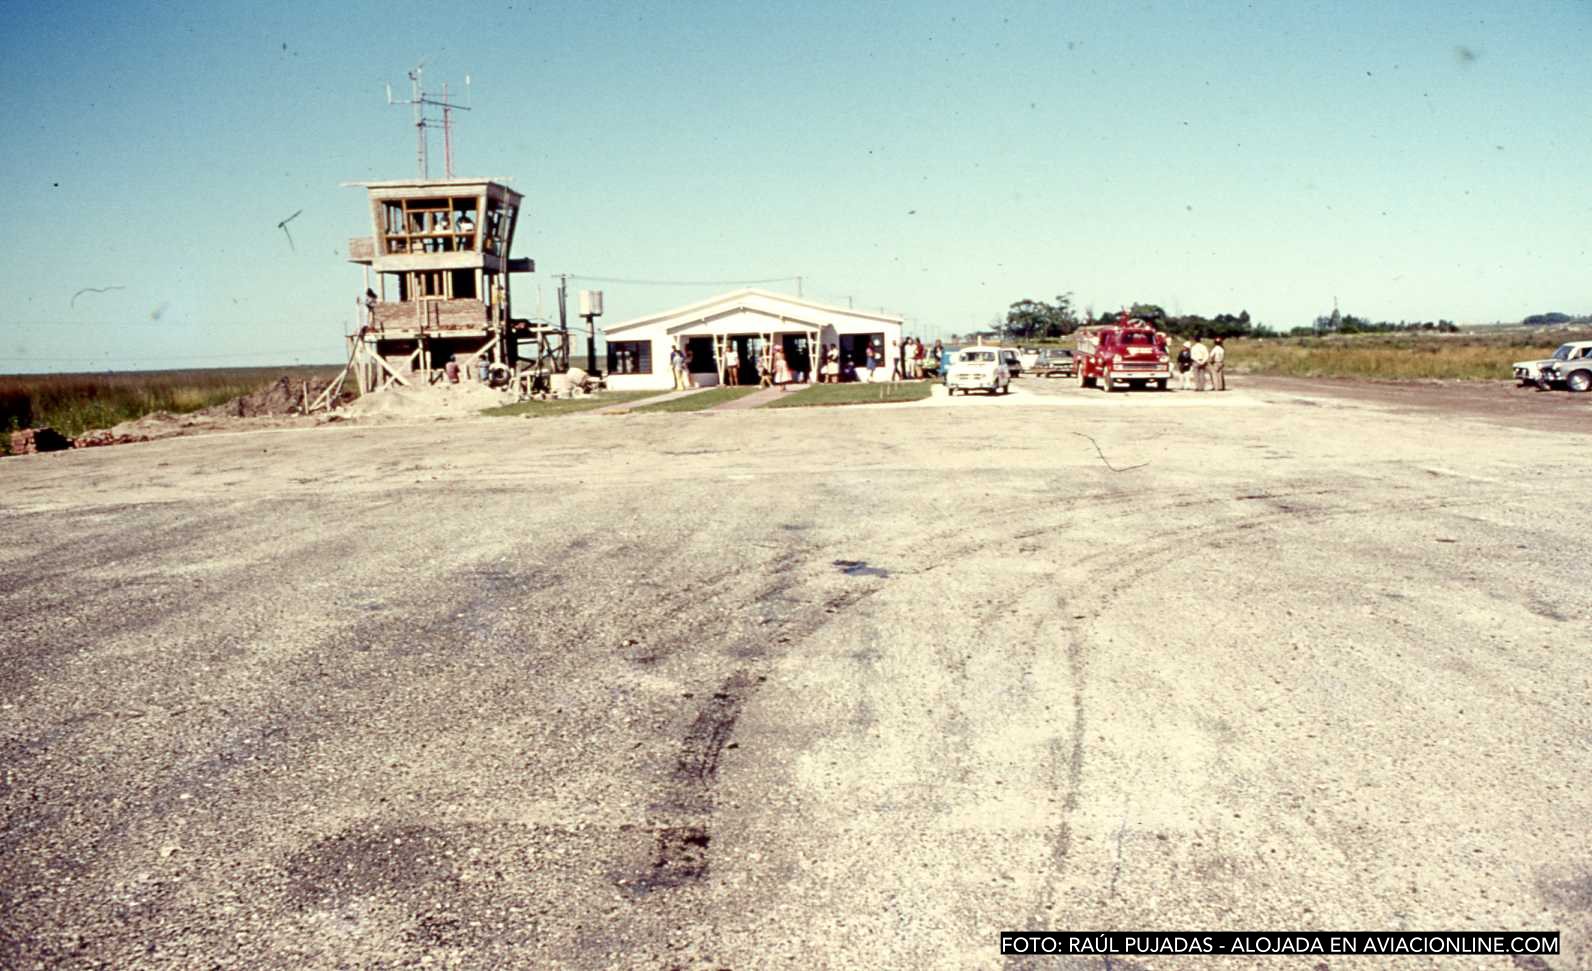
[1026,319]
[1035,319]
[1149,313]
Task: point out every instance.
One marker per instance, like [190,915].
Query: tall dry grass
[1398,357]
[75,403]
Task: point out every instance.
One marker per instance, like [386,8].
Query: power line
[172,325]
[155,355]
[681,283]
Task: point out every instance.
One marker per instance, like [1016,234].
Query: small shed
[736,329]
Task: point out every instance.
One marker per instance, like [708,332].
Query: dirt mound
[283,397]
[433,401]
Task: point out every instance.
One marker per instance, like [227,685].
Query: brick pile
[95,439]
[30,440]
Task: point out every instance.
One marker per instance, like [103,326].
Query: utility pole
[563,317]
[798,288]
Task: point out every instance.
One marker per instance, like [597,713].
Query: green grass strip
[566,406]
[824,395]
[700,401]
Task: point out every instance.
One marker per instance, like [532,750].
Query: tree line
[1031,320]
[1341,323]
[1028,320]
[1556,317]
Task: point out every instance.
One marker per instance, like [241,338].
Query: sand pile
[434,401]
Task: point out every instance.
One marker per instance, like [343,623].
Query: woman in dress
[781,369]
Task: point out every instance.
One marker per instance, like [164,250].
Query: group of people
[912,360]
[1207,364]
[909,363]
[772,367]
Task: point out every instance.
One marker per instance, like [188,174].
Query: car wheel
[1579,381]
[1160,384]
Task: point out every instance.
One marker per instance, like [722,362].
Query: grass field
[565,406]
[821,395]
[1463,357]
[700,401]
[75,403]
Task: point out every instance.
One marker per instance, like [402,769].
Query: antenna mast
[421,102]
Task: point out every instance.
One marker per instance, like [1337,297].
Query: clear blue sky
[1415,160]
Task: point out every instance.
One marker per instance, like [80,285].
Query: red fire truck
[1127,352]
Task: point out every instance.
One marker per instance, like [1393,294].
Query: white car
[1575,374]
[1530,372]
[978,368]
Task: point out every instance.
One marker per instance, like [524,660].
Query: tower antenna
[421,102]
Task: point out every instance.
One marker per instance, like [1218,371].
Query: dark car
[1055,362]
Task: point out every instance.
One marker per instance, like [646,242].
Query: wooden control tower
[439,256]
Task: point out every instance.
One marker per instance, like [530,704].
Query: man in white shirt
[1218,365]
[1202,371]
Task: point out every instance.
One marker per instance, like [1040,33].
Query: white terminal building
[736,327]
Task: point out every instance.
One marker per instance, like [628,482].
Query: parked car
[1531,372]
[1012,360]
[978,368]
[1055,362]
[1574,373]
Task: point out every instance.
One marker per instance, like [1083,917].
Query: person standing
[765,366]
[1202,370]
[732,364]
[1218,366]
[1185,363]
[873,359]
[677,365]
[781,368]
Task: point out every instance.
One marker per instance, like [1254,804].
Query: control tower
[440,257]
